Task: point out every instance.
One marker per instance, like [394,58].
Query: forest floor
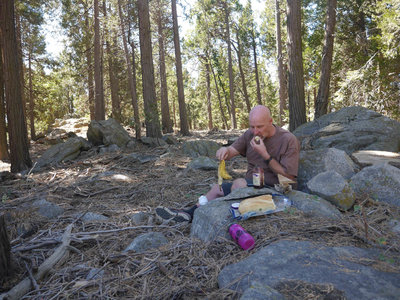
[185,268]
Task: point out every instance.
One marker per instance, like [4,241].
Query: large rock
[307,262]
[313,206]
[200,148]
[380,182]
[62,152]
[212,220]
[334,188]
[351,129]
[203,163]
[260,291]
[313,162]
[107,132]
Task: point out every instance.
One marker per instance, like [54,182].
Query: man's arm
[273,164]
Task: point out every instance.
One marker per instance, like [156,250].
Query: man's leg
[239,183]
[215,192]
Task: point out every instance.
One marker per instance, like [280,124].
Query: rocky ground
[119,187]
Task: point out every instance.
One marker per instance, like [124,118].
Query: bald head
[260,122]
[260,112]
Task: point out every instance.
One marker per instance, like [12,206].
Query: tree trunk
[321,107]
[230,68]
[244,85]
[219,98]
[208,86]
[3,128]
[254,45]
[166,122]
[5,249]
[131,73]
[20,57]
[179,76]
[146,60]
[297,106]
[31,100]
[281,73]
[114,86]
[99,108]
[88,52]
[19,154]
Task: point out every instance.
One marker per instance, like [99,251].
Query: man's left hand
[260,149]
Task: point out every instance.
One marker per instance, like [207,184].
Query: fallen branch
[25,285]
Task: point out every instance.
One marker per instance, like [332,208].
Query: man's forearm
[276,167]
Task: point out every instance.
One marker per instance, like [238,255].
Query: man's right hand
[222,153]
[226,153]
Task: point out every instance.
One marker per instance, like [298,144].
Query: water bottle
[241,236]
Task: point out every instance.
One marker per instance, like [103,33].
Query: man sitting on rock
[278,153]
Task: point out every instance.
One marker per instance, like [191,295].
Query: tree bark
[281,73]
[131,73]
[254,46]
[89,57]
[244,85]
[208,86]
[31,100]
[321,107]
[179,77]
[99,108]
[230,68]
[5,249]
[146,59]
[297,106]
[166,122]
[20,57]
[219,98]
[114,86]
[3,128]
[18,137]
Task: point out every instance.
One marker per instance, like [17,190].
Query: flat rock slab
[212,220]
[371,157]
[343,267]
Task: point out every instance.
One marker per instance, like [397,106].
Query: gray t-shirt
[283,146]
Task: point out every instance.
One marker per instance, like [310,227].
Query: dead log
[25,285]
[5,249]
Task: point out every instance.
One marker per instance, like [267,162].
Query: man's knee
[239,183]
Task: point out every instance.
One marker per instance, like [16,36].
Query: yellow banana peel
[222,173]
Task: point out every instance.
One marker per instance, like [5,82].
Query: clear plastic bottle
[242,237]
[258,177]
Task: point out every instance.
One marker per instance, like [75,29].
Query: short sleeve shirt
[283,146]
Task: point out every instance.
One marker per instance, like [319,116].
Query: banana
[222,172]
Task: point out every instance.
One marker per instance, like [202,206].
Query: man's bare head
[260,111]
[261,122]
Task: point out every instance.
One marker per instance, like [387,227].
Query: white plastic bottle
[203,200]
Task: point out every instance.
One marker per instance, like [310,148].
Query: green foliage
[365,69]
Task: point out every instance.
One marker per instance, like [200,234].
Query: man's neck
[272,131]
